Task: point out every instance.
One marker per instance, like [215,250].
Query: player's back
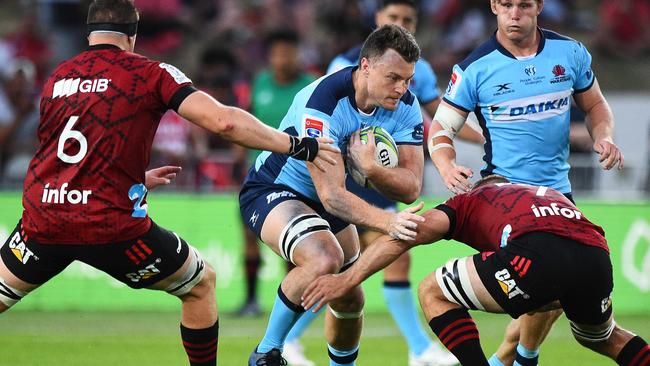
[99,113]
[490,215]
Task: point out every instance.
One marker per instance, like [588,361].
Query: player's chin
[390,103]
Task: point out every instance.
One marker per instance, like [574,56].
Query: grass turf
[124,339]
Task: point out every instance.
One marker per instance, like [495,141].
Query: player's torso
[98,119]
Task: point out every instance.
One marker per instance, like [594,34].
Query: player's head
[283,53]
[387,61]
[400,12]
[490,179]
[517,19]
[118,18]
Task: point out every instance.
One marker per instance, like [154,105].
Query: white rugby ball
[386,153]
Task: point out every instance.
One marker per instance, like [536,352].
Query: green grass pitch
[124,339]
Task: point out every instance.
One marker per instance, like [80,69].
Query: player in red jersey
[539,252]
[85,190]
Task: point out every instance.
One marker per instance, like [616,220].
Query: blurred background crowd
[256,54]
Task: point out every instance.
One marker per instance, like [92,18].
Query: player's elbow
[223,122]
[331,201]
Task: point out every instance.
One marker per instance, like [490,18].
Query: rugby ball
[386,153]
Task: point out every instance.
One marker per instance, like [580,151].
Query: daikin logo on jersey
[535,108]
[68,87]
[63,195]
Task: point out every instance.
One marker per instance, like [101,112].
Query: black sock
[201,344]
[252,269]
[457,331]
[636,352]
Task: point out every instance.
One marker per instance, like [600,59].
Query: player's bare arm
[330,187]
[241,127]
[441,147]
[402,183]
[600,123]
[376,257]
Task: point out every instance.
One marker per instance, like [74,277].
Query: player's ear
[493,6]
[364,66]
[540,6]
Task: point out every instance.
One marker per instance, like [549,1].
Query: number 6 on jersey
[69,133]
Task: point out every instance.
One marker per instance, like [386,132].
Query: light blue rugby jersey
[423,85]
[327,108]
[523,106]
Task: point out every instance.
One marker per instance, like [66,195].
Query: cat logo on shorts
[508,285]
[20,250]
[605,304]
[143,274]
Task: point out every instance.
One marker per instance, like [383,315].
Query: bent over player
[307,216]
[539,252]
[85,191]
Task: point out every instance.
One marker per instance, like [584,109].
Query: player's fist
[610,154]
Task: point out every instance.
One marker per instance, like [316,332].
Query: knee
[428,288]
[205,287]
[351,302]
[329,260]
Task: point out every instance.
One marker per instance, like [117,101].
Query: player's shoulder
[408,98]
[555,36]
[559,44]
[325,93]
[352,55]
[480,53]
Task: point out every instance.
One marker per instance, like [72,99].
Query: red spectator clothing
[490,215]
[626,20]
[99,113]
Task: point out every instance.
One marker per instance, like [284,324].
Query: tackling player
[305,215]
[85,191]
[530,237]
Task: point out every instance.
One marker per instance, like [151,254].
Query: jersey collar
[102,46]
[500,48]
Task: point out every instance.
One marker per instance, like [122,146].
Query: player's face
[516,19]
[389,77]
[398,14]
[284,59]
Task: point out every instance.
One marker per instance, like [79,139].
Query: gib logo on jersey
[62,195]
[68,87]
[20,250]
[508,285]
[314,127]
[536,108]
[554,210]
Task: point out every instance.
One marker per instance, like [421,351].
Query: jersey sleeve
[170,84]
[410,129]
[584,74]
[461,91]
[453,208]
[426,87]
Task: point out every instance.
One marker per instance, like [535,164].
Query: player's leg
[24,266]
[252,262]
[506,353]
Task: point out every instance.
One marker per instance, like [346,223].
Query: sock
[301,325]
[457,331]
[342,358]
[283,316]
[636,352]
[526,357]
[252,268]
[495,361]
[399,299]
[201,344]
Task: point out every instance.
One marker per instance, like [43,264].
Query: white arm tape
[444,133]
[449,119]
[441,146]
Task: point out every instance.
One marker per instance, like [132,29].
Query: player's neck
[118,40]
[527,46]
[361,96]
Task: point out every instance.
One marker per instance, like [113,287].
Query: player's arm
[330,187]
[444,127]
[467,132]
[236,125]
[600,123]
[377,256]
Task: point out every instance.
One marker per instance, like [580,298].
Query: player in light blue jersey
[397,289]
[306,216]
[520,84]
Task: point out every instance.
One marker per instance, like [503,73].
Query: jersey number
[137,192]
[69,133]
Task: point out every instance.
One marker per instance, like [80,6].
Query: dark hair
[490,179]
[386,3]
[112,11]
[285,35]
[217,55]
[393,37]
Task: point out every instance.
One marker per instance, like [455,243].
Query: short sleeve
[410,130]
[584,74]
[426,87]
[461,92]
[453,208]
[314,123]
[168,81]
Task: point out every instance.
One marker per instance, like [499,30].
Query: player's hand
[361,155]
[457,179]
[323,290]
[610,154]
[160,176]
[315,150]
[403,225]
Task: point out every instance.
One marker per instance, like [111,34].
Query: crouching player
[539,252]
